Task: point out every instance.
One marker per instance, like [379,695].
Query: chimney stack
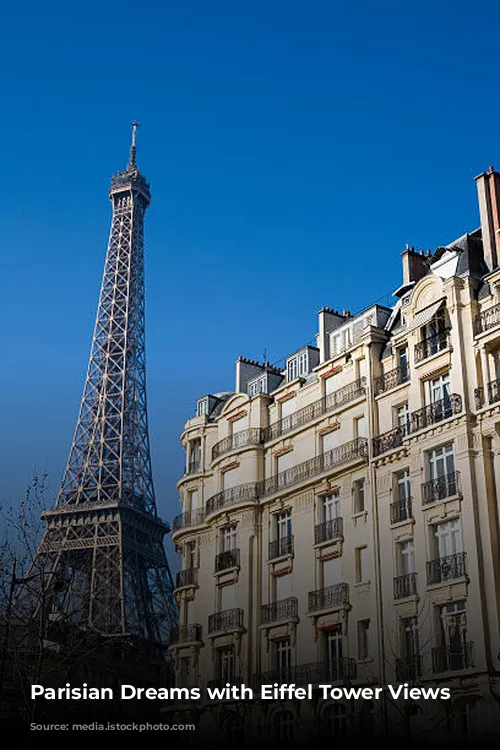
[488,193]
[414,265]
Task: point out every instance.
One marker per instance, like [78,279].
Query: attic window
[202,407]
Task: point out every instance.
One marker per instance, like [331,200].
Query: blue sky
[292,149]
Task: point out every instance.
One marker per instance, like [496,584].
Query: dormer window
[257,386]
[202,407]
[301,363]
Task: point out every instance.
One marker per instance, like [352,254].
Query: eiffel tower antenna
[103,538]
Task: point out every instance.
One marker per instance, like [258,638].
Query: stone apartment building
[340,518]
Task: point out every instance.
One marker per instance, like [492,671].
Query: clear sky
[293,148]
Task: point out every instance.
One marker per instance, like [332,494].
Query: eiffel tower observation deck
[103,543]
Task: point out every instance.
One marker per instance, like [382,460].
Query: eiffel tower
[102,558]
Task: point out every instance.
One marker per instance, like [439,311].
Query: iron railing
[191,518]
[251,436]
[242,493]
[446,658]
[228,619]
[284,609]
[493,391]
[389,440]
[436,412]
[329,597]
[228,559]
[341,669]
[187,633]
[405,586]
[401,510]
[441,488]
[431,345]
[447,568]
[187,577]
[329,530]
[391,379]
[408,668]
[221,682]
[487,319]
[312,411]
[281,547]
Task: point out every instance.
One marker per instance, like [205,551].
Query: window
[231,478]
[441,462]
[363,639]
[282,587]
[283,524]
[438,390]
[361,368]
[403,418]
[283,650]
[359,496]
[402,358]
[284,462]
[331,571]
[329,508]
[361,563]
[202,407]
[298,366]
[227,597]
[448,537]
[330,441]
[194,455]
[360,427]
[335,720]
[190,555]
[184,671]
[194,502]
[283,539]
[410,645]
[406,557]
[283,723]
[455,651]
[228,538]
[257,386]
[333,652]
[287,408]
[226,664]
[403,486]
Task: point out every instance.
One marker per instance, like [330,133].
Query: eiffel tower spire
[104,538]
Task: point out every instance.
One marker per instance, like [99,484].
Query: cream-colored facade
[340,518]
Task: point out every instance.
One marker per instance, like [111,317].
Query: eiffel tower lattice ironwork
[103,542]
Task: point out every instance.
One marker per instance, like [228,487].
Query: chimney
[414,265]
[488,193]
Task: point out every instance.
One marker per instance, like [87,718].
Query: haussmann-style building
[339,517]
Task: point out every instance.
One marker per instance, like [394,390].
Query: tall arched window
[283,723]
[335,722]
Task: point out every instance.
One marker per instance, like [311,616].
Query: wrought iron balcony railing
[228,619]
[193,467]
[187,577]
[389,440]
[221,682]
[431,345]
[405,586]
[446,658]
[312,411]
[242,493]
[436,412]
[329,597]
[441,488]
[328,531]
[401,510]
[252,436]
[493,393]
[281,547]
[447,568]
[187,633]
[487,319]
[228,559]
[191,518]
[284,609]
[341,669]
[391,379]
[408,668]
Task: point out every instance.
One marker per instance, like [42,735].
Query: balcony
[446,658]
[401,510]
[193,467]
[408,669]
[242,493]
[227,560]
[493,391]
[187,577]
[219,683]
[281,547]
[487,319]
[187,634]
[329,531]
[285,609]
[341,669]
[405,586]
[329,597]
[446,568]
[436,412]
[391,379]
[389,440]
[191,518]
[308,413]
[431,345]
[252,436]
[227,620]
[441,488]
